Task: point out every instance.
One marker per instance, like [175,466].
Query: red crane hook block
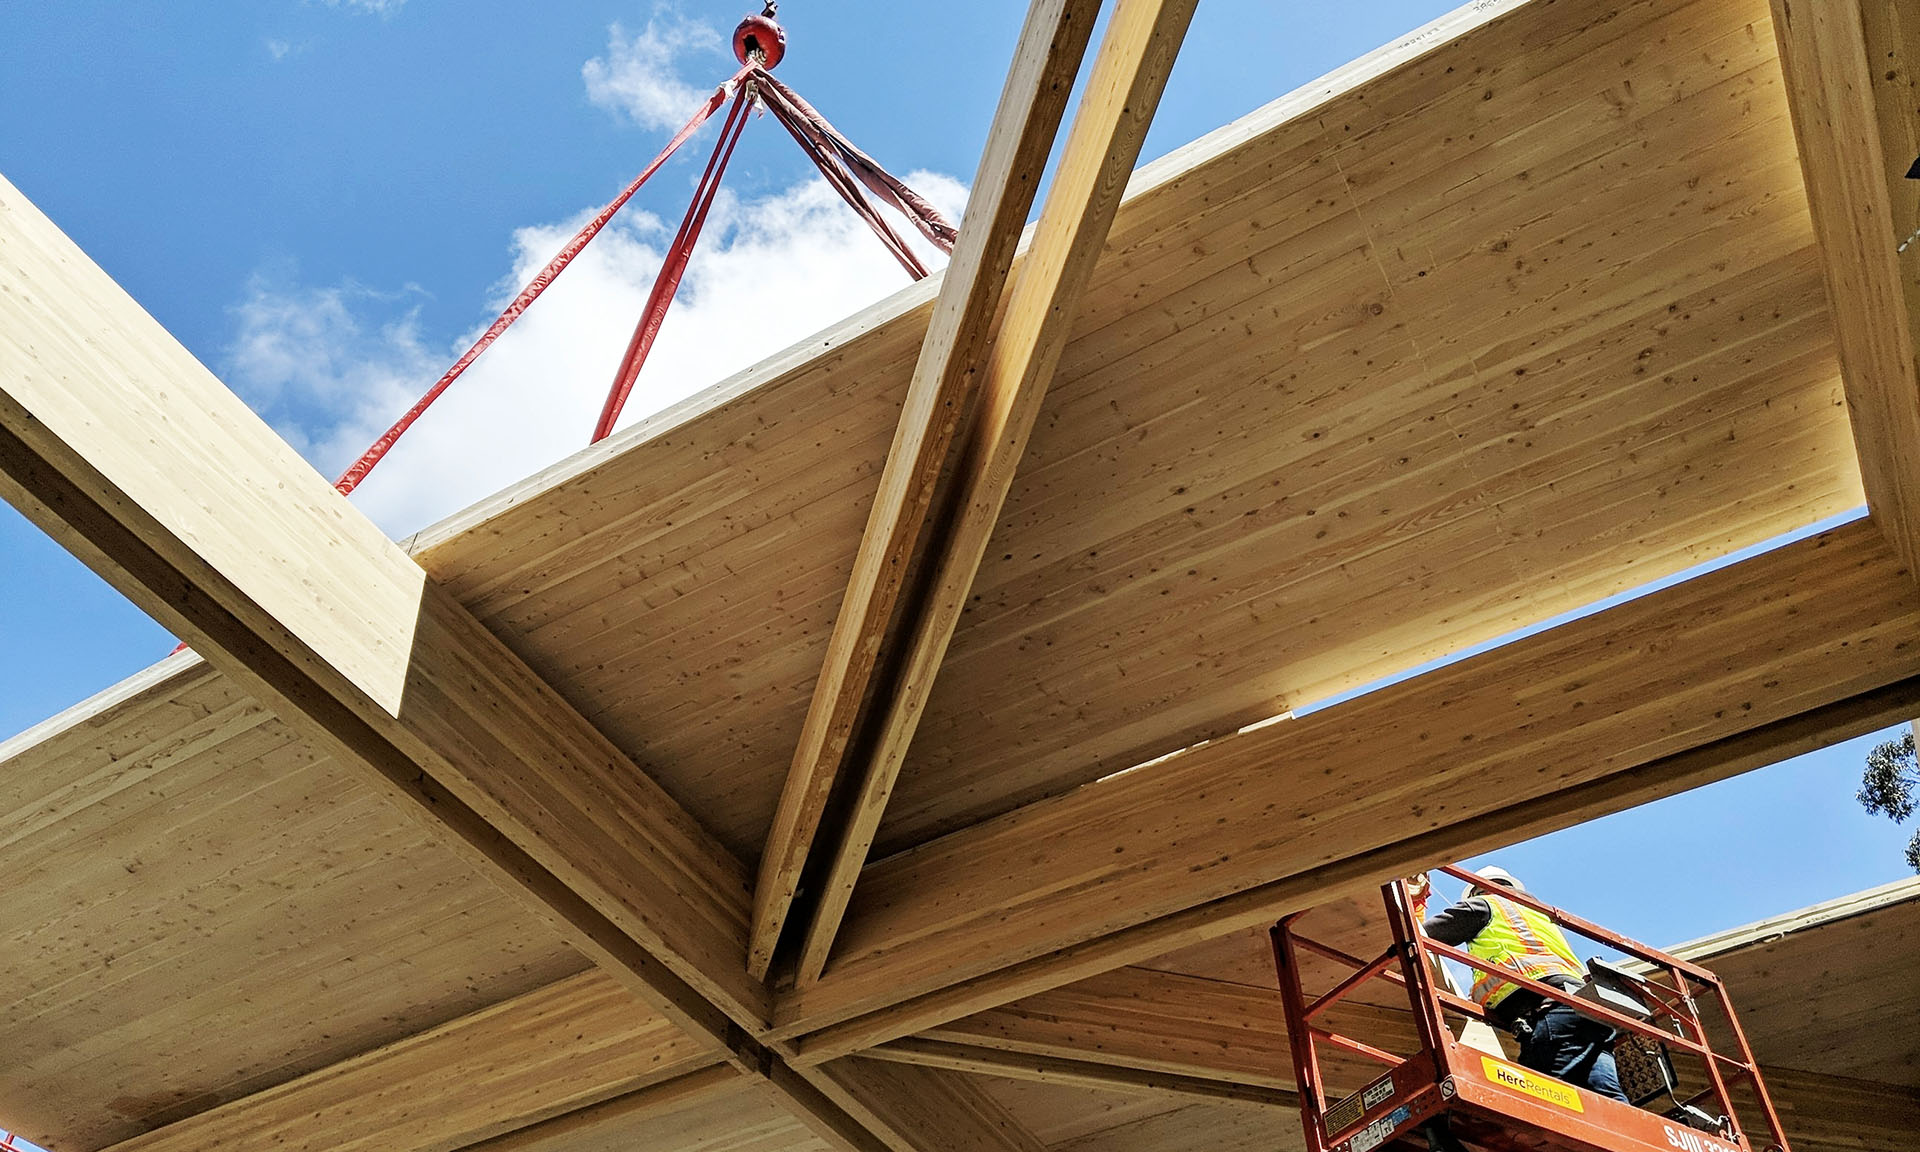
[758,40]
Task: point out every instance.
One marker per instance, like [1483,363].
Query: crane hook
[760,41]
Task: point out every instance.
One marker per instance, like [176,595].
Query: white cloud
[303,357]
[640,75]
[382,8]
[278,49]
[333,367]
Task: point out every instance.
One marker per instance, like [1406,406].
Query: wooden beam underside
[1386,370]
[944,379]
[1850,71]
[1123,90]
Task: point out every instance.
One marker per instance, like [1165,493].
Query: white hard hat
[1494,874]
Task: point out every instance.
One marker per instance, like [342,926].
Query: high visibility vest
[1523,940]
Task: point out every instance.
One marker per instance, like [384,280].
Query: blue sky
[325,200]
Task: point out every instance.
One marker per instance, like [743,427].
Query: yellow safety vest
[1523,940]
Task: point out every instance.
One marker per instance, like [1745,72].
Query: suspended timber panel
[1525,323]
[1440,347]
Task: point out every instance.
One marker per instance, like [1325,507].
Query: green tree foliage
[1889,785]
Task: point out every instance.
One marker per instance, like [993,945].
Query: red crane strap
[352,477]
[667,282]
[800,116]
[845,167]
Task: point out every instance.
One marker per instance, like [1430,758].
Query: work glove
[1419,890]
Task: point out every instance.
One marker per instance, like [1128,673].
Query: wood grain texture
[1353,925]
[652,1104]
[225,499]
[134,457]
[1155,1021]
[1110,125]
[1070,1097]
[1825,1113]
[195,906]
[1892,34]
[552,1051]
[1196,1128]
[918,1109]
[1421,399]
[1072,1071]
[1824,55]
[945,378]
[1058,1112]
[684,586]
[692,1114]
[1524,310]
[1585,703]
[1585,230]
[1821,990]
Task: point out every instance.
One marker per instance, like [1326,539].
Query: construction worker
[1554,1038]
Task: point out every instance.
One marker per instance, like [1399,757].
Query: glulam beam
[1776,655]
[1168,1022]
[1857,136]
[1109,127]
[1073,1071]
[120,445]
[1041,77]
[126,450]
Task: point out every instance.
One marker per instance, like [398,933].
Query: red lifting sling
[759,43]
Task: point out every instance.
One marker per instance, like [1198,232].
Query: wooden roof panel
[1492,372]
[1198,1128]
[744,1121]
[199,907]
[1058,1113]
[679,582]
[1830,989]
[1499,331]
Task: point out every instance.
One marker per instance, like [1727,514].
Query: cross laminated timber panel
[1486,334]
[1830,990]
[197,906]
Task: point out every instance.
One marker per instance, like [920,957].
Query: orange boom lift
[1452,1093]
